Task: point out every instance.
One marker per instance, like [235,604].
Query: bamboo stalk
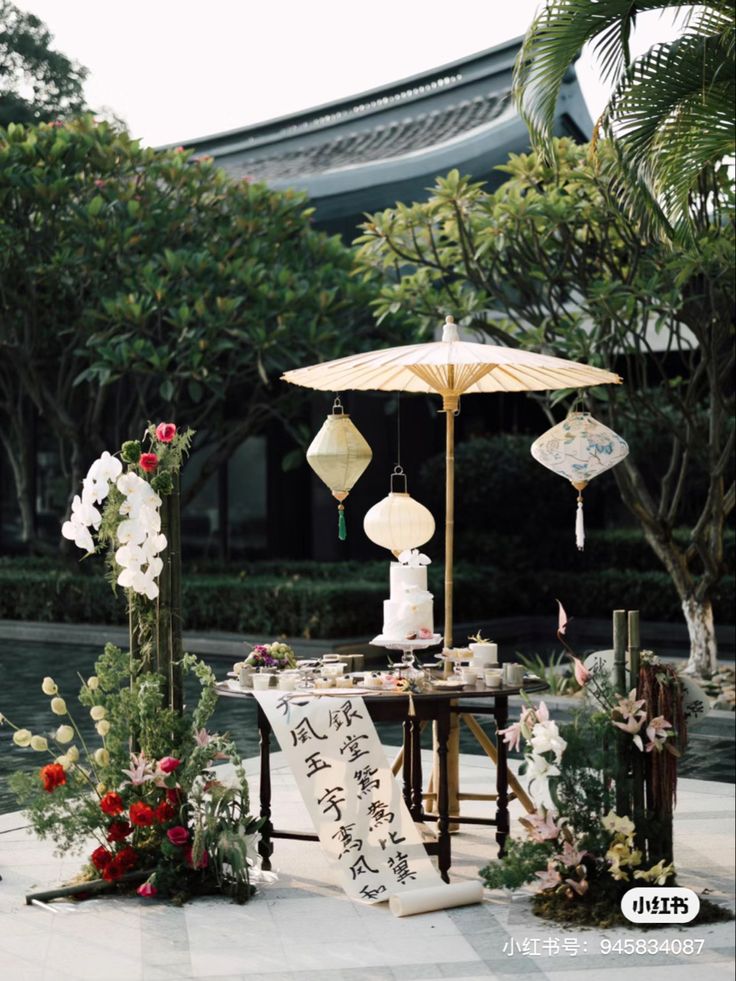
[176,679]
[163,611]
[619,680]
[638,763]
[96,885]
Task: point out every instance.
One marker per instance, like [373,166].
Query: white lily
[539,768]
[546,739]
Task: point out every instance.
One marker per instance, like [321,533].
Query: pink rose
[147,889]
[168,764]
[165,432]
[178,835]
[148,462]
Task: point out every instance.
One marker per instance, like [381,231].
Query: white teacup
[288,680]
[469,675]
[492,677]
[262,681]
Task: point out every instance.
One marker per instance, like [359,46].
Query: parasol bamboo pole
[449,514]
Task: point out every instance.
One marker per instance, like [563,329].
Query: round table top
[479,690]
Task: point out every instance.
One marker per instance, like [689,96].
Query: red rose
[53,776]
[141,814]
[100,858]
[165,432]
[118,831]
[173,794]
[113,870]
[168,764]
[127,858]
[112,804]
[178,835]
[165,811]
[147,889]
[148,462]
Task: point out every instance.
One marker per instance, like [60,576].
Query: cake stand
[407,648]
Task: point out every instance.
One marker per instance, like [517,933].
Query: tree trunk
[19,452]
[701,628]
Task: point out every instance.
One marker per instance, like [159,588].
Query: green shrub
[341,602]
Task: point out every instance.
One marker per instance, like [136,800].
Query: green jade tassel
[342,528]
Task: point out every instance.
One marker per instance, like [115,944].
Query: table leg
[417,806]
[502,776]
[442,730]
[406,762]
[265,845]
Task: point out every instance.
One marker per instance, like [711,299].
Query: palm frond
[554,41]
[672,116]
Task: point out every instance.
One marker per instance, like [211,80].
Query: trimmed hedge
[343,600]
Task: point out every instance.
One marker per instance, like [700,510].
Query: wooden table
[437,707]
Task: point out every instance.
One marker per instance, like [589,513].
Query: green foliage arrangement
[161,814]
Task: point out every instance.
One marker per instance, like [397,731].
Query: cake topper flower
[413,558]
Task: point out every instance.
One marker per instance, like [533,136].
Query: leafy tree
[549,261]
[137,284]
[671,112]
[37,83]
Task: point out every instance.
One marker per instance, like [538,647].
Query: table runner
[342,773]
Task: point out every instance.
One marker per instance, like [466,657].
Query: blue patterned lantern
[579,448]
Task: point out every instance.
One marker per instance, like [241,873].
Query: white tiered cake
[408,613]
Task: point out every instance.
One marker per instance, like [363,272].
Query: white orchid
[106,468]
[413,557]
[546,739]
[78,533]
[539,768]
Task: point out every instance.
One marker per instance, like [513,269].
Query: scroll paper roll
[436,897]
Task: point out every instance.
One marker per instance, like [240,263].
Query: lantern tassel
[580,525]
[342,528]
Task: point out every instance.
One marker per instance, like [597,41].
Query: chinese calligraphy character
[316,763]
[333,801]
[303,732]
[399,865]
[393,837]
[367,893]
[352,746]
[344,716]
[365,780]
[347,839]
[379,814]
[360,866]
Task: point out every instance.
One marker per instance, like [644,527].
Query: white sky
[179,69]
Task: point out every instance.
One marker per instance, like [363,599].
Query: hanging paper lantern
[338,455]
[579,448]
[398,522]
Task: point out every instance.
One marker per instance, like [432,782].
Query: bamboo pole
[163,606]
[449,407]
[175,668]
[637,762]
[619,680]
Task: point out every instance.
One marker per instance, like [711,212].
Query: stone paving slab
[302,927]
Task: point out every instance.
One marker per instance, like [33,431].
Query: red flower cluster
[119,831]
[112,804]
[141,814]
[113,866]
[53,776]
[165,812]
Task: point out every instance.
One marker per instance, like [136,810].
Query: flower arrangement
[160,815]
[147,797]
[276,656]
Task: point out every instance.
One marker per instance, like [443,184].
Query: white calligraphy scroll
[352,796]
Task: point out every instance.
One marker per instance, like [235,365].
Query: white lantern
[338,455]
[398,522]
[579,448]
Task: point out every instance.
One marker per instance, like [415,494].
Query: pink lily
[657,733]
[512,735]
[633,726]
[141,771]
[541,827]
[570,856]
[582,675]
[549,878]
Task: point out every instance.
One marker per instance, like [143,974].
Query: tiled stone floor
[301,927]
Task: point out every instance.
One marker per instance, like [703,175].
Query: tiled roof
[416,130]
